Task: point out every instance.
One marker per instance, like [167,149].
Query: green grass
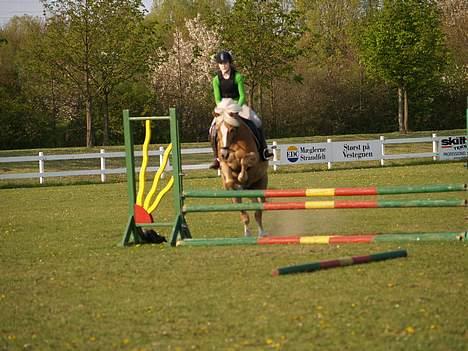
[66,285]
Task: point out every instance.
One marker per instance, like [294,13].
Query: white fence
[284,155]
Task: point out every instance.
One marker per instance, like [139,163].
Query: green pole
[395,237]
[272,206]
[246,206]
[180,226]
[421,203]
[131,228]
[224,193]
[250,240]
[383,190]
[411,189]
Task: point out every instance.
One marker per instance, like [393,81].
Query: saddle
[255,131]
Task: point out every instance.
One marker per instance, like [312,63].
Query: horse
[240,162]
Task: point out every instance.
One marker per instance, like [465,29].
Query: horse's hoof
[242,178]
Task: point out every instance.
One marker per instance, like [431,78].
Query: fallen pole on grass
[340,262]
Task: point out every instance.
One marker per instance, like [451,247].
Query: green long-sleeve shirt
[229,88]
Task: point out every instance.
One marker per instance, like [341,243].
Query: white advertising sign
[453,148]
[344,151]
[305,153]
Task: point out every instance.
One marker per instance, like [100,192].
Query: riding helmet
[223,56]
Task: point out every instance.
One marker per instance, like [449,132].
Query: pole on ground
[340,262]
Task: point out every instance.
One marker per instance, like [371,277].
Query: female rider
[228,83]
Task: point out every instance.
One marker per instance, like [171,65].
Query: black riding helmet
[223,56]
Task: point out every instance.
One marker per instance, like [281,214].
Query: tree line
[312,67]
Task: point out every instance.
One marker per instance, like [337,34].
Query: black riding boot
[262,146]
[214,146]
[265,152]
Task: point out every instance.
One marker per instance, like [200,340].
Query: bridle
[232,120]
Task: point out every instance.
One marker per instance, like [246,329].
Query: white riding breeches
[250,114]
[247,113]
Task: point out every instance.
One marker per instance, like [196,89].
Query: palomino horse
[240,162]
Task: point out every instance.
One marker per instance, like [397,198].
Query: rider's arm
[239,78]
[216,89]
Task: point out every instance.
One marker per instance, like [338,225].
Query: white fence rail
[280,157]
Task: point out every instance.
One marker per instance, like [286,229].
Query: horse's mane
[224,110]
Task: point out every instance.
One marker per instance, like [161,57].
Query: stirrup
[267,153]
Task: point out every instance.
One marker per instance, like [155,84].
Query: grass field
[65,284]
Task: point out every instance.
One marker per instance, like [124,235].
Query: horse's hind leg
[244,218]
[258,218]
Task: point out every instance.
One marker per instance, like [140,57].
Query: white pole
[275,155]
[161,157]
[382,145]
[41,167]
[434,146]
[329,164]
[103,166]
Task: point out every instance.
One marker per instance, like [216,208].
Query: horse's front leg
[243,176]
[246,162]
[244,217]
[258,217]
[228,180]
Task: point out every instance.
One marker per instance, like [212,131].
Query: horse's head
[227,124]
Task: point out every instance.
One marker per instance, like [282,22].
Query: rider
[228,83]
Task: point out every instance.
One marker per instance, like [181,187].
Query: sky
[10,8]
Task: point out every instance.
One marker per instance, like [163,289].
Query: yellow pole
[157,176]
[141,179]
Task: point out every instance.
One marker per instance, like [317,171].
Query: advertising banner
[453,148]
[305,153]
[344,151]
[364,150]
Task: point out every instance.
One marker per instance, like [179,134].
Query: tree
[404,45]
[95,44]
[455,25]
[263,36]
[169,15]
[122,54]
[183,77]
[24,122]
[329,28]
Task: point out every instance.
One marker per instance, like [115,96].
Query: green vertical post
[180,226]
[131,228]
[129,161]
[466,141]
